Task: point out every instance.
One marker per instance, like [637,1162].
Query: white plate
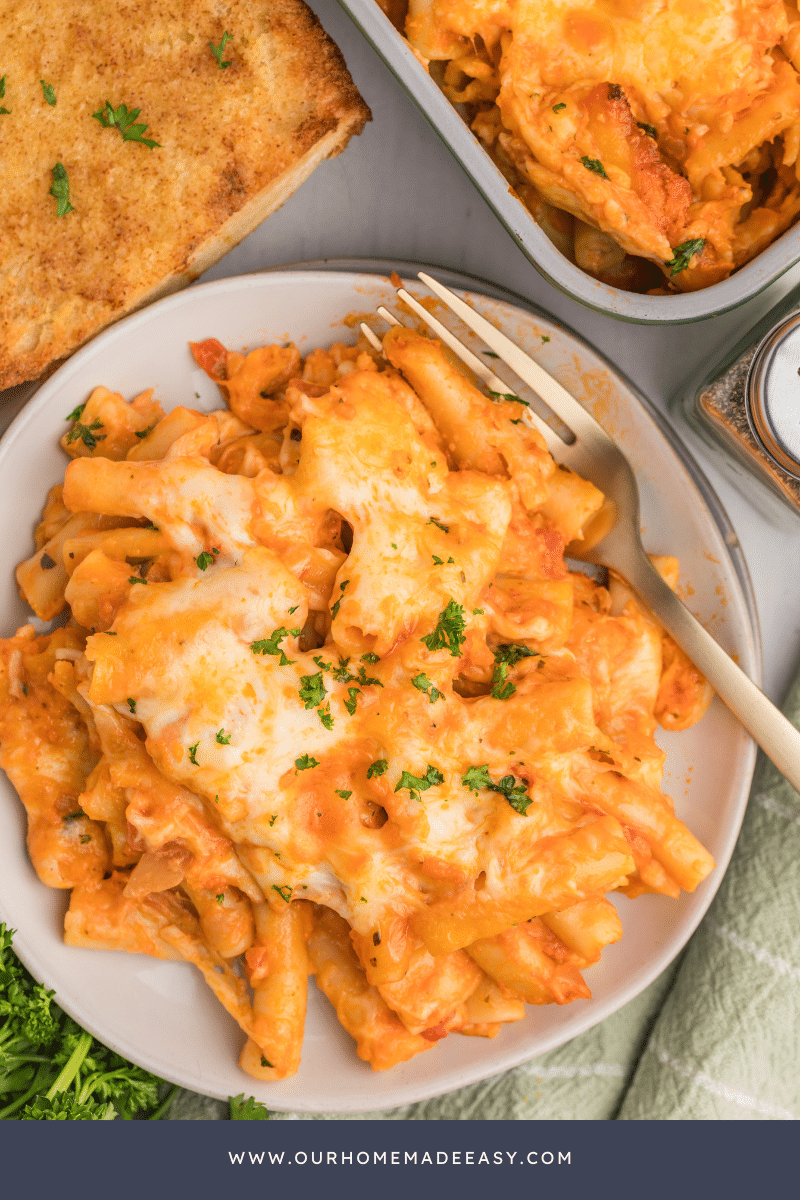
[161,1015]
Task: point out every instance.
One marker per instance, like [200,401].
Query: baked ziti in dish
[325,698]
[656,142]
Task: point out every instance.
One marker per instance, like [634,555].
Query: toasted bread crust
[234,145]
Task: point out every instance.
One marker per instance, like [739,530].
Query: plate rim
[349,270]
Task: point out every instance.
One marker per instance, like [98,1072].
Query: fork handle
[776,736]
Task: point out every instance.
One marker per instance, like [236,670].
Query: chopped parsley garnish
[438,562]
[76,413]
[131,704]
[423,684]
[312,689]
[223,738]
[505,657]
[650,130]
[340,673]
[335,608]
[439,525]
[193,754]
[304,763]
[220,898]
[4,112]
[367,680]
[59,190]
[142,433]
[476,778]
[87,434]
[477,612]
[370,657]
[449,631]
[207,557]
[219,50]
[682,255]
[559,107]
[123,120]
[515,793]
[273,818]
[545,338]
[417,784]
[490,354]
[284,892]
[343,793]
[293,610]
[49,94]
[594,164]
[352,700]
[73,816]
[379,767]
[272,645]
[508,396]
[320,661]
[136,579]
[324,714]
[394,545]
[84,838]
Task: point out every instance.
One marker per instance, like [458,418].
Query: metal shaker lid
[772,394]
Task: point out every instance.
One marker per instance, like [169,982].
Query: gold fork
[594,455]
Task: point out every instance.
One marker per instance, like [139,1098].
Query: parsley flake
[682,255]
[477,612]
[312,690]
[335,608]
[505,657]
[439,525]
[87,434]
[423,684]
[324,714]
[207,557]
[304,763]
[219,50]
[437,562]
[476,778]
[49,94]
[142,433]
[370,657]
[352,701]
[131,704]
[293,610]
[136,579]
[594,164]
[449,630]
[379,767]
[193,754]
[343,793]
[417,783]
[341,672]
[272,645]
[508,396]
[59,190]
[223,738]
[650,130]
[123,120]
[515,793]
[284,892]
[76,413]
[220,898]
[559,107]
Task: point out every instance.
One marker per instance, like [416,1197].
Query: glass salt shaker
[748,403]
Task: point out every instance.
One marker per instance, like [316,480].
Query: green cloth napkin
[716,1037]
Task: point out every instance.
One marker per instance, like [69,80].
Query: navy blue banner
[393,1160]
